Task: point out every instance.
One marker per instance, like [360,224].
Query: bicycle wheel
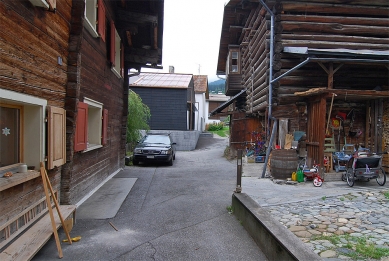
[381,179]
[350,177]
[317,182]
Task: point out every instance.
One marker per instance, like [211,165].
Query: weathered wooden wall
[93,79]
[327,24]
[243,129]
[31,40]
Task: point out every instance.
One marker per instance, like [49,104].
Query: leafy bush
[214,126]
[138,116]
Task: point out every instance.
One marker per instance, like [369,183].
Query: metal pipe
[239,172]
[291,70]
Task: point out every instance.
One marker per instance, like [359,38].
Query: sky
[191,36]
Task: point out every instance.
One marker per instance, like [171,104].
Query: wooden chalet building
[63,96]
[307,62]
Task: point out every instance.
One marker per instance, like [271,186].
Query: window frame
[91,127]
[34,114]
[230,61]
[94,15]
[116,57]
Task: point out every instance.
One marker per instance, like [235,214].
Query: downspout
[269,116]
[271,60]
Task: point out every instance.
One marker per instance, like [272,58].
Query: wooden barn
[170,98]
[63,101]
[319,66]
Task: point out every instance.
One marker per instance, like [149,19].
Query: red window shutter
[101,19]
[81,136]
[104,127]
[122,60]
[112,51]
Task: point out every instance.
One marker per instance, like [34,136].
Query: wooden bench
[28,232]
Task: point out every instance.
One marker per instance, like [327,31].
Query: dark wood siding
[93,79]
[233,84]
[31,40]
[168,107]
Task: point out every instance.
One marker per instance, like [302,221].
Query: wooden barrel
[283,163]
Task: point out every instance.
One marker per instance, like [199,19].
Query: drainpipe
[271,60]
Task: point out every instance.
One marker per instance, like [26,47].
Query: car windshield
[161,139]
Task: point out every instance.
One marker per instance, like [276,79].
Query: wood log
[344,9]
[336,28]
[352,2]
[366,21]
[334,38]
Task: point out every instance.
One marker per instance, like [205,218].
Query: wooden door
[316,130]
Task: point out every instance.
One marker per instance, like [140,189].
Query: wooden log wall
[96,81]
[330,24]
[31,40]
[315,24]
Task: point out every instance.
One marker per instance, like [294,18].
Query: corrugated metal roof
[163,80]
[200,83]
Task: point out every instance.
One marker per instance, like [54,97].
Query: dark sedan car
[155,148]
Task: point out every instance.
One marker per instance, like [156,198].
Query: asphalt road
[171,213]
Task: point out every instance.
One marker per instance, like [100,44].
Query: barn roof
[163,80]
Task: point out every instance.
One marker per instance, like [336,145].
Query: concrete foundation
[186,140]
[275,240]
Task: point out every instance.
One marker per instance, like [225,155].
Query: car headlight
[166,152]
[138,151]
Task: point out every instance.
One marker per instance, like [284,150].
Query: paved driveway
[170,213]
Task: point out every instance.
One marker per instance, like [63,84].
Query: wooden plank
[27,245]
[17,178]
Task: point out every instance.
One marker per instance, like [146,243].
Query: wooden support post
[47,186]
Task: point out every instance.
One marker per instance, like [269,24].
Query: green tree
[138,115]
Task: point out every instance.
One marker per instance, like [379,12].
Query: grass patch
[324,198]
[230,209]
[225,132]
[361,247]
[386,194]
[365,249]
[334,239]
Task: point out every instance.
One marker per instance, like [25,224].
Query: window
[116,53]
[47,4]
[22,129]
[91,127]
[234,61]
[233,65]
[95,18]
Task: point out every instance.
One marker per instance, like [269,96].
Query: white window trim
[91,25]
[98,105]
[37,145]
[116,69]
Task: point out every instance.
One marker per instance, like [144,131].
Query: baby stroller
[365,166]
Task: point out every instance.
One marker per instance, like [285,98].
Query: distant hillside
[217,86]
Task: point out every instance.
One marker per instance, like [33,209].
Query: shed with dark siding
[170,98]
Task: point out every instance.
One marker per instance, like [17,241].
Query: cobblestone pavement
[331,225]
[332,220]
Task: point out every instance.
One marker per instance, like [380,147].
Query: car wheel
[135,162]
[170,162]
[174,156]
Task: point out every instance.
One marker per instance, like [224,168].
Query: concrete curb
[275,240]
